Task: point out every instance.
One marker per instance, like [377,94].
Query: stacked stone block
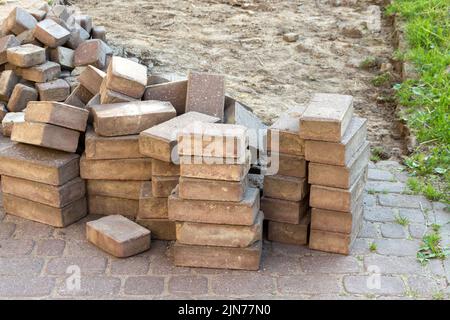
[285,200]
[338,154]
[218,221]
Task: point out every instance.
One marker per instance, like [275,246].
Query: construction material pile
[91,132]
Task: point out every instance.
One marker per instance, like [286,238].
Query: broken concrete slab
[59,114]
[206,94]
[118,236]
[46,135]
[338,153]
[116,169]
[159,141]
[340,176]
[174,92]
[213,190]
[218,212]
[130,118]
[56,217]
[284,210]
[207,234]
[326,117]
[50,195]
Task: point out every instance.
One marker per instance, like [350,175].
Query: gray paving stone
[417,230]
[384,186]
[50,247]
[436,267]
[361,246]
[281,265]
[27,266]
[403,201]
[32,230]
[393,265]
[7,229]
[447,269]
[389,285]
[249,283]
[93,265]
[130,266]
[426,286]
[371,165]
[309,284]
[145,285]
[413,215]
[388,164]
[12,247]
[393,230]
[397,247]
[369,230]
[290,250]
[93,286]
[440,206]
[441,217]
[380,175]
[84,249]
[330,264]
[18,286]
[188,285]
[369,200]
[379,214]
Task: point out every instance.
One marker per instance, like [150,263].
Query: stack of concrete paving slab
[219,224]
[160,144]
[338,155]
[42,52]
[285,200]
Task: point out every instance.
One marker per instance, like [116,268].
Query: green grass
[427,98]
[401,220]
[438,295]
[378,154]
[422,185]
[381,79]
[431,247]
[373,247]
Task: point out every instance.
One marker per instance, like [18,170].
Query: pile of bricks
[43,50]
[285,200]
[338,155]
[219,224]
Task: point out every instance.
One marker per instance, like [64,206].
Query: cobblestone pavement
[34,259]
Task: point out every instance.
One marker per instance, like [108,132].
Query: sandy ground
[244,41]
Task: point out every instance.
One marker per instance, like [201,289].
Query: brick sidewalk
[34,260]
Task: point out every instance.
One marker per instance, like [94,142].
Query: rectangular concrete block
[174,92]
[118,236]
[19,20]
[289,165]
[63,56]
[45,72]
[163,186]
[283,137]
[130,118]
[90,52]
[332,242]
[127,77]
[51,33]
[151,207]
[56,90]
[9,120]
[338,153]
[8,80]
[139,169]
[59,114]
[161,229]
[78,97]
[213,140]
[54,196]
[115,188]
[296,234]
[35,211]
[108,206]
[326,117]
[121,147]
[336,199]
[6,42]
[39,164]
[340,176]
[164,169]
[218,257]
[284,211]
[20,97]
[91,78]
[207,234]
[218,212]
[46,135]
[219,190]
[109,97]
[227,169]
[98,32]
[336,221]
[84,21]
[26,55]
[206,94]
[159,141]
[285,188]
